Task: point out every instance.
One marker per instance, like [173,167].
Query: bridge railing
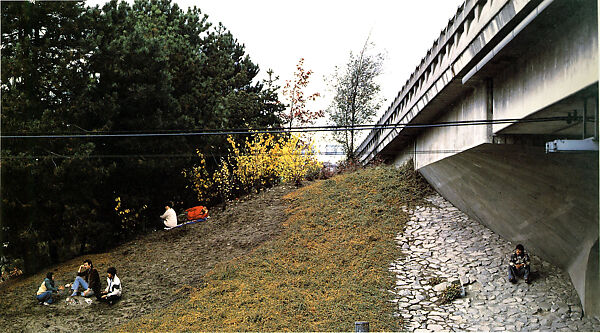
[475,28]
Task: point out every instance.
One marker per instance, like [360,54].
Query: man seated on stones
[519,265]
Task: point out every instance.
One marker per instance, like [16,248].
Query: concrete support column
[490,109]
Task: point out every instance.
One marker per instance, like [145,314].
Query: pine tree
[146,67]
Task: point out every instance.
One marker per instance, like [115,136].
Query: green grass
[326,270]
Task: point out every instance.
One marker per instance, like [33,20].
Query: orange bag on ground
[198,212]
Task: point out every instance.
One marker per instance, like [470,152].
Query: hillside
[315,258]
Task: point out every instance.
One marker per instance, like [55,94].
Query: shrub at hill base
[328,268]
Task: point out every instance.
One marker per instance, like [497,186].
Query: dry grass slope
[325,271]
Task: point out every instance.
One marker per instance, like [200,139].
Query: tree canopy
[147,67]
[356,99]
[293,92]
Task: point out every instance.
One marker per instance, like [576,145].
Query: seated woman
[169,218]
[44,293]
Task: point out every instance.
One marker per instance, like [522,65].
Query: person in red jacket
[195,213]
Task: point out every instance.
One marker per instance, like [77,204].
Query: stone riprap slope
[440,241]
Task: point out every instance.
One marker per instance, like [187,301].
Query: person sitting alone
[519,265]
[114,288]
[169,217]
[88,279]
[44,293]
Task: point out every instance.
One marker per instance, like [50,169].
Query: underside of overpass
[512,59]
[547,201]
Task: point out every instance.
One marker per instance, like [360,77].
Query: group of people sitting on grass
[88,281]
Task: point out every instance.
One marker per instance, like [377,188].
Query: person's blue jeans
[79,281]
[513,272]
[45,297]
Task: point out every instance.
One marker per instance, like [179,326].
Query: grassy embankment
[327,270]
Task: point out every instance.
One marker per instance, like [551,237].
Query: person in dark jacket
[519,265]
[88,279]
[44,293]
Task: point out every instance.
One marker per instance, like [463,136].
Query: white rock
[435,328]
[437,313]
[441,286]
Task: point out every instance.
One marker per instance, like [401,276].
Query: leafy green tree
[146,67]
[356,98]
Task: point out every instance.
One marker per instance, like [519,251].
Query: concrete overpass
[510,59]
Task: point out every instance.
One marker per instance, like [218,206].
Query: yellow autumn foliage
[129,216]
[261,160]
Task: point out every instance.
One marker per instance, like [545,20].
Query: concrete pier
[545,201]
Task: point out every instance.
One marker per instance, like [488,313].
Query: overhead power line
[300,129]
[144,156]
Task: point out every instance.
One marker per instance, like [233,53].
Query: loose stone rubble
[441,241]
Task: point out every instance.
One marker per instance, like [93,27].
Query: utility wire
[302,129]
[57,156]
[124,156]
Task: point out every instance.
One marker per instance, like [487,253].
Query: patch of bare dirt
[155,269]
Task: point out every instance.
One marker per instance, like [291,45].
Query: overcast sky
[278,33]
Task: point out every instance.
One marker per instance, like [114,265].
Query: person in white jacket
[169,217]
[114,288]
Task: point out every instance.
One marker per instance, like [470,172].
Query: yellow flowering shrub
[257,162]
[295,159]
[254,161]
[223,180]
[202,182]
[129,216]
